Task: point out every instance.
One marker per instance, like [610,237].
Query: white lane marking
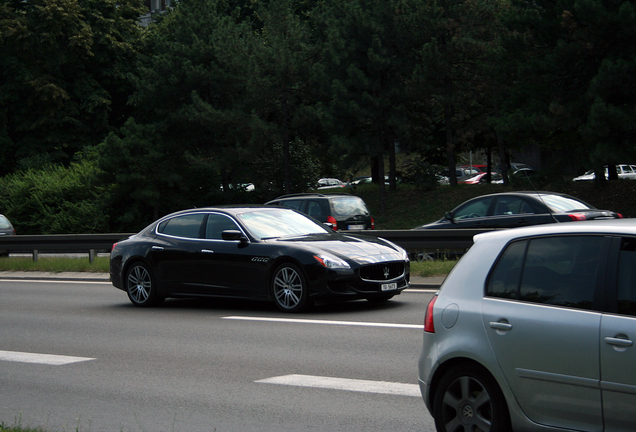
[49,359]
[62,281]
[326,322]
[356,385]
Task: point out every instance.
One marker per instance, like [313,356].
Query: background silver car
[533,330]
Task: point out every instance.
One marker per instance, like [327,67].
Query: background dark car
[6,229]
[342,211]
[514,209]
[256,252]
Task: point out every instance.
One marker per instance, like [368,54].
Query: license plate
[389,286]
[356,227]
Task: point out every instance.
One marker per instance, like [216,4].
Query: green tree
[57,199]
[453,40]
[63,76]
[363,73]
[575,90]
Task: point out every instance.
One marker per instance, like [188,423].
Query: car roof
[311,195]
[603,226]
[232,209]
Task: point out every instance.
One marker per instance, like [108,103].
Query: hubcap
[139,284]
[288,288]
[467,406]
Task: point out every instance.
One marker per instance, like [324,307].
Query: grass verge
[55,265]
[58,265]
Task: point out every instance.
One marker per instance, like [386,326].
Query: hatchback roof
[602,226]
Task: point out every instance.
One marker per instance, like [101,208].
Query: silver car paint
[584,364]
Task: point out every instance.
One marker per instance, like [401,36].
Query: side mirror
[233,235]
[449,216]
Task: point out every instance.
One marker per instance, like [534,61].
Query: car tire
[289,288]
[141,286]
[468,398]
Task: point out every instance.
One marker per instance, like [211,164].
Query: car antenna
[525,173]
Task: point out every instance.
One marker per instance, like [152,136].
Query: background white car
[624,172]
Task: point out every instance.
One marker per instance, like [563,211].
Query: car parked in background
[460,173]
[6,229]
[329,183]
[340,211]
[515,209]
[256,252]
[624,171]
[534,330]
[495,178]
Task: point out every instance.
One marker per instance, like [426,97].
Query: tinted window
[315,209]
[553,270]
[477,208]
[627,278]
[512,206]
[348,206]
[216,224]
[294,204]
[187,226]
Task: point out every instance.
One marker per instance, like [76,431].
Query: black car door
[174,250]
[228,267]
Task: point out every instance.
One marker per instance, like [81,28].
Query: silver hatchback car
[534,330]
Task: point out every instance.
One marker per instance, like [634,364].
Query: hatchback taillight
[113,248]
[372,223]
[333,222]
[429,326]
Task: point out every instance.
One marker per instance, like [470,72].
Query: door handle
[157,248]
[618,342]
[500,325]
[207,251]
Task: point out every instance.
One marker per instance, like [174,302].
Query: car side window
[627,277]
[188,226]
[477,208]
[293,204]
[314,209]
[216,224]
[559,271]
[512,206]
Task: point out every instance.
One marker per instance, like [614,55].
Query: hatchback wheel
[289,288]
[140,286]
[468,399]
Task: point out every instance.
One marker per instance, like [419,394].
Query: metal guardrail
[414,241]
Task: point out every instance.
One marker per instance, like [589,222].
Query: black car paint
[242,268]
[541,214]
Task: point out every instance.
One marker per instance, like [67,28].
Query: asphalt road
[77,356]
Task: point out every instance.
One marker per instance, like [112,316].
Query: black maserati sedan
[255,252]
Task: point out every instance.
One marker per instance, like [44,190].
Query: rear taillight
[113,248]
[620,216]
[372,223]
[429,326]
[333,222]
[577,216]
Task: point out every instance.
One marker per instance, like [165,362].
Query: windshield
[349,206]
[558,203]
[276,223]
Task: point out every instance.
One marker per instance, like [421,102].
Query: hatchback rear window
[347,206]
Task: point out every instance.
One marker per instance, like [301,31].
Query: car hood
[365,250]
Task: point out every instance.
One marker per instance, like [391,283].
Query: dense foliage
[99,115]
